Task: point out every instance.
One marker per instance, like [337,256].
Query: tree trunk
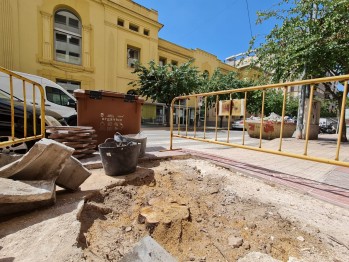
[167,114]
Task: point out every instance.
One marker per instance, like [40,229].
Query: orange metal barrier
[38,129]
[177,103]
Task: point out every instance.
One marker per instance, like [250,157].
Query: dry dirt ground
[196,210]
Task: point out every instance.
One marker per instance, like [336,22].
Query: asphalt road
[160,138]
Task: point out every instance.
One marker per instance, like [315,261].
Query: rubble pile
[30,182]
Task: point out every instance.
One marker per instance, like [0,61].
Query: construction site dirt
[195,210]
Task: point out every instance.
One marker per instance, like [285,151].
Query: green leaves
[163,83]
[313,38]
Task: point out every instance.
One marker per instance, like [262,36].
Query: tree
[162,83]
[312,41]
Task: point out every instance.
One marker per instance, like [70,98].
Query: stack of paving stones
[81,138]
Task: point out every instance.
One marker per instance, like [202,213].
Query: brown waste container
[109,112]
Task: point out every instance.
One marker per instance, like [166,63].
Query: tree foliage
[162,83]
[273,103]
[220,81]
[313,40]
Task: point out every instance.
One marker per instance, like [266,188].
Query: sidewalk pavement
[323,181]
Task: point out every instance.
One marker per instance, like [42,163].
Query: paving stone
[73,174]
[148,250]
[44,161]
[19,196]
[6,159]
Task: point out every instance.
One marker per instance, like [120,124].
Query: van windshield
[56,96]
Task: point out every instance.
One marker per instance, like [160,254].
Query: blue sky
[220,27]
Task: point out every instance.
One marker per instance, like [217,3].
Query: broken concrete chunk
[44,161]
[19,196]
[148,250]
[72,175]
[257,256]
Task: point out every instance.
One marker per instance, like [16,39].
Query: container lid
[94,94]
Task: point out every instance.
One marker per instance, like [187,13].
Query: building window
[70,86]
[67,33]
[133,27]
[133,56]
[175,63]
[162,61]
[146,32]
[206,74]
[120,22]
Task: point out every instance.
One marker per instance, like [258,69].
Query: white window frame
[133,56]
[72,51]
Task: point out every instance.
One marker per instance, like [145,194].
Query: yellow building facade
[89,44]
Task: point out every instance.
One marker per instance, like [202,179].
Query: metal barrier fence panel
[188,130]
[34,129]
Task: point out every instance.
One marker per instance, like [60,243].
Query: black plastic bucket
[119,158]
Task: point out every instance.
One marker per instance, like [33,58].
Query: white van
[57,99]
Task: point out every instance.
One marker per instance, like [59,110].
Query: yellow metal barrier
[14,134]
[244,91]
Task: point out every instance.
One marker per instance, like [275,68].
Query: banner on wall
[235,106]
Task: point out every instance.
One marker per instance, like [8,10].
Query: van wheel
[20,148]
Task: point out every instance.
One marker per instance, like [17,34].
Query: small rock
[300,238]
[216,224]
[198,219]
[200,178]
[128,229]
[251,225]
[235,242]
[292,259]
[246,245]
[258,189]
[214,191]
[268,248]
[272,238]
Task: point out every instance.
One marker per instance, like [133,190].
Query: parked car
[239,124]
[51,118]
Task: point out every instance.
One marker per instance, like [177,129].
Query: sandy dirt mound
[200,212]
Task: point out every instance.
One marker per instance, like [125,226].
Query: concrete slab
[73,174]
[148,250]
[44,161]
[19,196]
[6,159]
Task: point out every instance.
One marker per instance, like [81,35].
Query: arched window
[67,33]
[206,74]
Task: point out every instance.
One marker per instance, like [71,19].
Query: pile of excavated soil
[201,212]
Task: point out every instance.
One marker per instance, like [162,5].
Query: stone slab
[73,174]
[44,161]
[19,196]
[6,159]
[148,250]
